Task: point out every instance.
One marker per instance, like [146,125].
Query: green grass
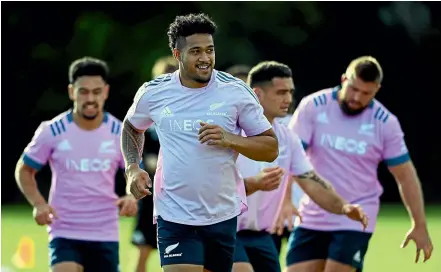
[384,253]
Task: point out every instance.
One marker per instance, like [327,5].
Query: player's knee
[67,267]
[307,266]
[183,268]
[334,266]
[242,267]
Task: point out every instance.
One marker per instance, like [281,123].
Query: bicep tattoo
[132,143]
[312,176]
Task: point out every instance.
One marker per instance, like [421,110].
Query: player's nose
[203,58]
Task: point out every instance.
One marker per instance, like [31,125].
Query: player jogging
[198,114]
[144,235]
[83,151]
[267,211]
[347,133]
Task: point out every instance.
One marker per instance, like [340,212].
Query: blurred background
[316,39]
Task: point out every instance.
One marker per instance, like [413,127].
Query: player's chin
[201,78]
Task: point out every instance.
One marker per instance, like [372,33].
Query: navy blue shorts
[258,249]
[210,246]
[347,247]
[93,256]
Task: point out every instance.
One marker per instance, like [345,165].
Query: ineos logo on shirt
[184,125]
[344,144]
[88,165]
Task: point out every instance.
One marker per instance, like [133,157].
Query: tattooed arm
[321,192]
[132,144]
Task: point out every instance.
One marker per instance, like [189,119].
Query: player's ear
[106,91]
[258,92]
[70,90]
[177,54]
[343,78]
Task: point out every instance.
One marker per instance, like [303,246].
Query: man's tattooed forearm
[132,143]
[314,177]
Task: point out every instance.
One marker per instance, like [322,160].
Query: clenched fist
[138,180]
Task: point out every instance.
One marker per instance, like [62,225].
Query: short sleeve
[139,113]
[251,119]
[302,122]
[299,162]
[394,146]
[38,151]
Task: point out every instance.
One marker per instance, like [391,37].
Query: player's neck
[270,118]
[189,83]
[86,124]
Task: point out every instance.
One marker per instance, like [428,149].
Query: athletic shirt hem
[198,223]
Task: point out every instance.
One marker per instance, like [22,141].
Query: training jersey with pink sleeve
[83,164]
[263,206]
[197,182]
[346,150]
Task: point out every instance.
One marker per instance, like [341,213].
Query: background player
[347,133]
[82,148]
[199,113]
[144,236]
[255,250]
[240,71]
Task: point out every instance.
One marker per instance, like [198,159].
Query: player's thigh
[347,249]
[219,244]
[307,250]
[101,256]
[179,246]
[261,251]
[241,263]
[67,267]
[65,253]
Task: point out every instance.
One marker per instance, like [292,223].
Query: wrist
[131,167]
[344,208]
[420,224]
[36,201]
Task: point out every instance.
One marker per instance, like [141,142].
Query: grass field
[384,253]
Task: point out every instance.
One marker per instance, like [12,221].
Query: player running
[144,236]
[83,151]
[347,133]
[267,211]
[198,114]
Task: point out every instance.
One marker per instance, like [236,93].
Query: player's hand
[128,205]
[44,214]
[139,181]
[269,179]
[214,135]
[356,213]
[420,236]
[285,213]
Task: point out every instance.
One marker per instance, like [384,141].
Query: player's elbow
[273,151]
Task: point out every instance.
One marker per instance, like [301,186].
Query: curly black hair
[88,66]
[187,25]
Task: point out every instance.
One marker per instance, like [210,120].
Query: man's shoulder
[233,85]
[56,126]
[380,114]
[113,124]
[157,84]
[320,98]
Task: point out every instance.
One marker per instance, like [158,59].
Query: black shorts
[211,246]
[93,256]
[257,248]
[347,247]
[145,232]
[278,239]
